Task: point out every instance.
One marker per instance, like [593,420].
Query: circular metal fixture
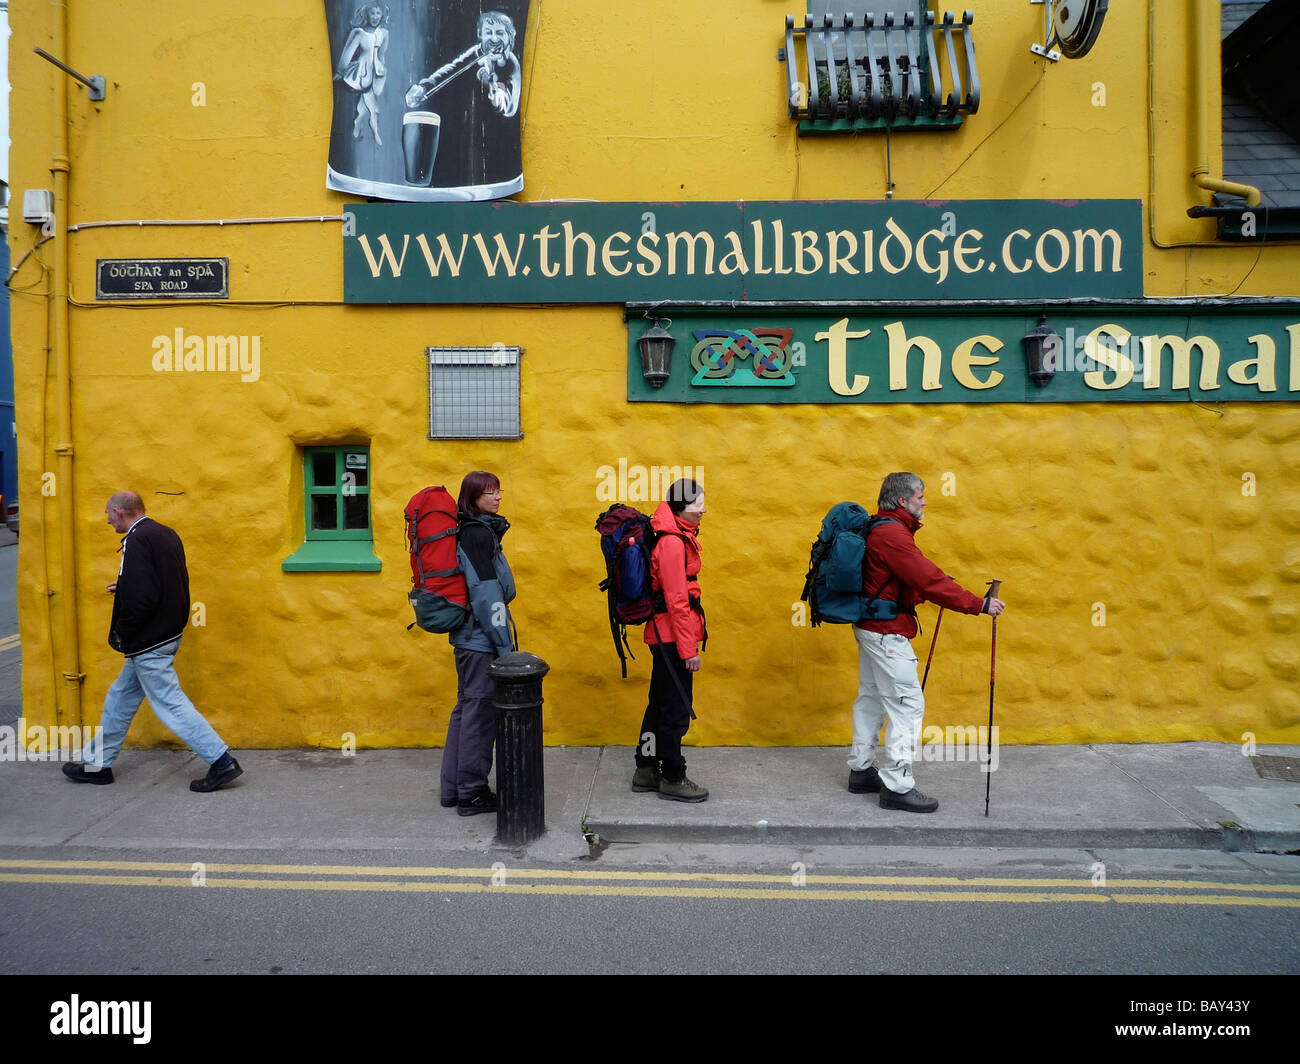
[1076,24]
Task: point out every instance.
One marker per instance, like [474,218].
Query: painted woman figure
[361,66]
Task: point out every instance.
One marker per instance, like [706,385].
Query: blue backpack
[626,540]
[833,586]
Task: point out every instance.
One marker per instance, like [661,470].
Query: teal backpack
[833,586]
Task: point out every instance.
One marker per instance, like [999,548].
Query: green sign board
[1125,352]
[781,252]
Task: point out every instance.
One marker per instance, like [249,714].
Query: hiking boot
[864,780]
[79,774]
[217,777]
[682,790]
[483,802]
[911,802]
[646,778]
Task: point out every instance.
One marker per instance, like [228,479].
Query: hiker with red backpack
[674,635]
[896,577]
[484,636]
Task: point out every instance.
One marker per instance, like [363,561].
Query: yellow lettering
[1006,252]
[502,257]
[1062,242]
[385,254]
[444,256]
[648,253]
[1264,378]
[838,337]
[571,240]
[921,260]
[734,260]
[608,254]
[805,243]
[690,240]
[960,251]
[900,347]
[833,238]
[904,243]
[964,357]
[1084,237]
[1107,356]
[1153,348]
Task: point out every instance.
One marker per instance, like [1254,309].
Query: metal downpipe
[64,494]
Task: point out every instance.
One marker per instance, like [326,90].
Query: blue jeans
[152,675]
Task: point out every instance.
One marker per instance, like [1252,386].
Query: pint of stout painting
[420,146]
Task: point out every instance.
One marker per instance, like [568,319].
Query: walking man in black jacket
[151,606]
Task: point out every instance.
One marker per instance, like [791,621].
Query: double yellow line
[615,883]
[10,642]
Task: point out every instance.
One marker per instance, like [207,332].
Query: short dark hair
[474,485]
[681,494]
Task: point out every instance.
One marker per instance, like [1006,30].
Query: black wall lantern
[656,352]
[1043,351]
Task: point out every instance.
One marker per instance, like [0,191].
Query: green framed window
[336,512]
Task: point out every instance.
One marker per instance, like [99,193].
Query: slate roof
[1255,151]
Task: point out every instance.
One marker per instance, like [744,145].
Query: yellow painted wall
[1138,507]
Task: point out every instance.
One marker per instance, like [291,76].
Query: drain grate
[1272,767]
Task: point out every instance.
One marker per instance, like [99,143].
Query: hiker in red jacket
[674,635]
[897,573]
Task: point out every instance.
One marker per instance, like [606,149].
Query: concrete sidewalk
[1166,796]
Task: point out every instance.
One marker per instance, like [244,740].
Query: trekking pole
[933,639]
[994,587]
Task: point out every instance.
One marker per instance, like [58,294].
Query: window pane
[324,512]
[359,478]
[356,511]
[322,469]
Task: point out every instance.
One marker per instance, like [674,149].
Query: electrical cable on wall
[953,173]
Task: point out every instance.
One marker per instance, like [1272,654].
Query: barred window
[474,393]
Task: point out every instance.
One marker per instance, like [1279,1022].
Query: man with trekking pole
[896,578]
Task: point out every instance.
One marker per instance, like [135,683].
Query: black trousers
[668,713]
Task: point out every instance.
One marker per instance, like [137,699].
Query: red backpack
[440,596]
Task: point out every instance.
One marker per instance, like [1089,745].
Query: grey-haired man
[899,576]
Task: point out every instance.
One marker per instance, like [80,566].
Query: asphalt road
[349,912]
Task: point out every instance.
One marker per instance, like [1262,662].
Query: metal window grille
[879,68]
[474,393]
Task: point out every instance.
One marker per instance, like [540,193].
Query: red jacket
[896,570]
[675,557]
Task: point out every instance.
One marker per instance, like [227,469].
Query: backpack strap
[617,629]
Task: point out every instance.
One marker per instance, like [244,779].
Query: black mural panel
[427,98]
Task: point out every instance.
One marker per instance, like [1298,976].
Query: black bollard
[521,812]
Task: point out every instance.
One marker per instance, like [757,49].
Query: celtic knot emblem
[718,355]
